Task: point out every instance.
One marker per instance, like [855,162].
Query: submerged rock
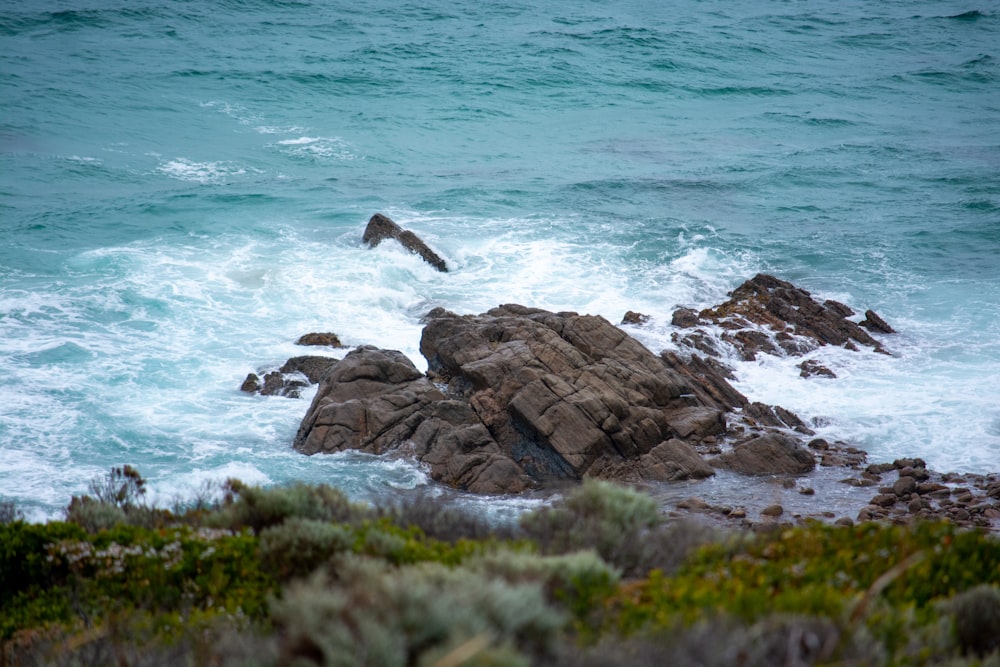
[380,228]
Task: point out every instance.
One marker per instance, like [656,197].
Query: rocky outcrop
[290,379]
[380,228]
[518,396]
[766,315]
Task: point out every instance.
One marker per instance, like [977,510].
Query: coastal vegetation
[301,575]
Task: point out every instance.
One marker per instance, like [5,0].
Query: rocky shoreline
[519,399]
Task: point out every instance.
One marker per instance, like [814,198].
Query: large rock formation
[519,395]
[380,228]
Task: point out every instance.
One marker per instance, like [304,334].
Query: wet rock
[313,367]
[875,323]
[918,504]
[290,379]
[377,401]
[632,317]
[380,228]
[251,384]
[885,500]
[554,395]
[771,454]
[674,460]
[320,339]
[812,368]
[684,318]
[773,511]
[765,307]
[693,503]
[904,486]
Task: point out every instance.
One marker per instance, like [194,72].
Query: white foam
[202,172]
[140,359]
[317,148]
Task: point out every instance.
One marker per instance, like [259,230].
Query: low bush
[258,508]
[300,575]
[372,615]
[298,546]
[439,520]
[613,520]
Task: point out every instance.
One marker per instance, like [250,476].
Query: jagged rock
[380,228]
[875,323]
[520,395]
[684,318]
[812,368]
[288,380]
[769,315]
[378,402]
[322,339]
[632,317]
[771,454]
[313,367]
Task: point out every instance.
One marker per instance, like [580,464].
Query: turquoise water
[183,188]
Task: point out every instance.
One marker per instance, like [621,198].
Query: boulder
[632,317]
[380,228]
[674,460]
[771,454]
[325,339]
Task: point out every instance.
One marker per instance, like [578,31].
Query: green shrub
[448,523]
[373,615]
[611,519]
[976,613]
[94,515]
[258,508]
[298,546]
[579,581]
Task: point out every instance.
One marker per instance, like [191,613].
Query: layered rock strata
[518,396]
[766,315]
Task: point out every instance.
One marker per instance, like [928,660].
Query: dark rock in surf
[812,368]
[290,379]
[518,396]
[684,318]
[771,316]
[873,322]
[326,339]
[380,228]
[632,317]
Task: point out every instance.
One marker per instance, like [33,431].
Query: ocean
[184,186]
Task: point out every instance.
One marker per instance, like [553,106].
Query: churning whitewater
[184,187]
